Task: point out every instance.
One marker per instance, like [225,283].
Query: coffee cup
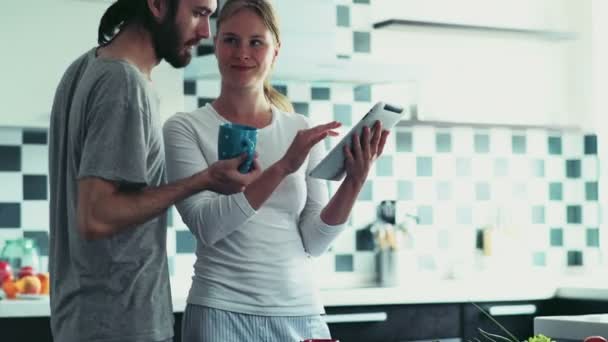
[234,140]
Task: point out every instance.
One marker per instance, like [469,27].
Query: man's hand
[224,177]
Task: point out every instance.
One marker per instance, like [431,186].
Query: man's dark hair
[122,12]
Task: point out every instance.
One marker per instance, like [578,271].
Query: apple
[25,271]
[31,285]
[595,339]
[6,273]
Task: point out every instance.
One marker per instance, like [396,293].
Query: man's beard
[168,43]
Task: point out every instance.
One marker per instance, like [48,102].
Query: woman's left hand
[362,153]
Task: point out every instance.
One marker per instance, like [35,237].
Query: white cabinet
[40,38]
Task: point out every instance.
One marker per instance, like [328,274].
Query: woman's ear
[276,53]
[158,9]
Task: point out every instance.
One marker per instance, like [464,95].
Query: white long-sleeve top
[248,261]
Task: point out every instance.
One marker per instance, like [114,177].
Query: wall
[537,188]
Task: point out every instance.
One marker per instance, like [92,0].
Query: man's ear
[158,9]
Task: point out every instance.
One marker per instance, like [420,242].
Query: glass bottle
[30,256]
[12,253]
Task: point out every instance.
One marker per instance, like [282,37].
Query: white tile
[423,138]
[10,136]
[12,187]
[463,142]
[405,166]
[500,142]
[184,266]
[341,93]
[484,214]
[444,215]
[482,168]
[591,214]
[359,110]
[572,145]
[538,191]
[208,89]
[171,247]
[363,213]
[361,17]
[463,191]
[344,41]
[590,168]
[444,167]
[321,112]
[574,238]
[555,214]
[298,91]
[34,159]
[519,168]
[385,189]
[345,242]
[555,168]
[35,215]
[190,103]
[573,191]
[536,143]
[592,257]
[364,262]
[424,190]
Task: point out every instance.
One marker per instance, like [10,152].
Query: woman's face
[245,50]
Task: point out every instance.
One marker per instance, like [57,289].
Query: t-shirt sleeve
[114,144]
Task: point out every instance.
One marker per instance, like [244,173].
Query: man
[108,259]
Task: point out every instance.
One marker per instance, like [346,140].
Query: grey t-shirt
[105,123]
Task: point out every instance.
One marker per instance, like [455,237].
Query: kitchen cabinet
[516,317]
[41,39]
[394,323]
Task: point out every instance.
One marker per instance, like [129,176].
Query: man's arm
[104,209]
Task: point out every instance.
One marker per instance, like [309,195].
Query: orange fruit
[44,282]
[31,285]
[10,289]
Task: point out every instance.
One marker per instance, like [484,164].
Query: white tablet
[332,166]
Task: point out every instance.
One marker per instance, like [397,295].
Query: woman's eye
[256,42]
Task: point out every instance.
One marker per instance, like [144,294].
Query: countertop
[418,292]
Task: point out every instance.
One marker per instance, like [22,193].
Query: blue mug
[235,139]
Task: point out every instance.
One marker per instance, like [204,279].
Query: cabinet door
[516,317]
[395,323]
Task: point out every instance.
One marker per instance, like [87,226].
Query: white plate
[31,296]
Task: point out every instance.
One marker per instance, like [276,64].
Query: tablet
[332,166]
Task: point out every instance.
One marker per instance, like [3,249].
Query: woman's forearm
[340,205]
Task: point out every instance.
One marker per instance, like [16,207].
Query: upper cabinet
[40,39]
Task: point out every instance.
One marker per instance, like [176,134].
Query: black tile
[301,108]
[590,144]
[38,137]
[574,214]
[202,101]
[424,166]
[41,239]
[344,263]
[204,50]
[443,142]
[518,144]
[591,191]
[555,191]
[280,88]
[362,42]
[184,242]
[404,141]
[573,168]
[556,237]
[34,187]
[365,240]
[343,16]
[320,93]
[10,215]
[189,87]
[482,143]
[10,158]
[555,145]
[575,258]
[362,93]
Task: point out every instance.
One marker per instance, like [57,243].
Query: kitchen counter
[417,292]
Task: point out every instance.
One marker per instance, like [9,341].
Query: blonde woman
[253,277]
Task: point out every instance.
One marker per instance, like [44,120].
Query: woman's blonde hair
[264,10]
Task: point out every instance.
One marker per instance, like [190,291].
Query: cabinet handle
[511,310]
[356,317]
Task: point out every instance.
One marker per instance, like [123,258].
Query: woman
[253,276]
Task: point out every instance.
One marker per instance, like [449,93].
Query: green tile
[424,166]
[501,167]
[591,192]
[301,108]
[405,190]
[362,41]
[425,215]
[538,168]
[482,143]
[384,166]
[482,191]
[555,191]
[366,2]
[518,144]
[573,168]
[320,93]
[463,167]
[344,263]
[590,144]
[366,193]
[344,114]
[404,141]
[343,16]
[555,145]
[593,237]
[574,214]
[539,259]
[538,214]
[556,237]
[575,258]
[362,93]
[443,142]
[444,191]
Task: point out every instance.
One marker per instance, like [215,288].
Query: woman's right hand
[303,143]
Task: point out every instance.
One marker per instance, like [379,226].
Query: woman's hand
[362,153]
[303,143]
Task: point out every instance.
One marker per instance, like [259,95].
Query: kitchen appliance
[571,328]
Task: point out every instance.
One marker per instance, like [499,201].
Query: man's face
[176,36]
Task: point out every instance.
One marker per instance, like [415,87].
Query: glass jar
[12,253]
[30,256]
